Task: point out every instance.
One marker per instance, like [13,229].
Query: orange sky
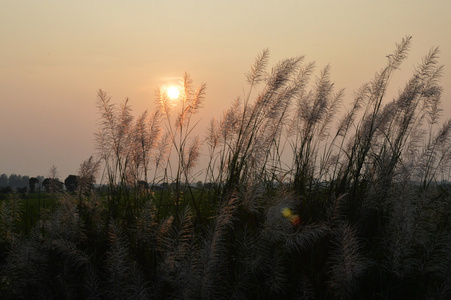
[55,55]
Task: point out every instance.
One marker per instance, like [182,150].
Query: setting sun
[173,92]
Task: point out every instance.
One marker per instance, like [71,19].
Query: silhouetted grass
[301,198]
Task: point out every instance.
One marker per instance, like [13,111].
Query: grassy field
[304,200]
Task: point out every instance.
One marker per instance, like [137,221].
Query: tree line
[19,183]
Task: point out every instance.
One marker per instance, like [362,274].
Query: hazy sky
[55,55]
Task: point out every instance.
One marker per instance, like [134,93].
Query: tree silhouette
[32,184]
[52,185]
[71,183]
[3,180]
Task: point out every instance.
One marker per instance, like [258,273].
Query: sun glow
[173,92]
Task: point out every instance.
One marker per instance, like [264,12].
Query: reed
[303,197]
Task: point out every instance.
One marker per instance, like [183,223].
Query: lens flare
[286,212]
[294,219]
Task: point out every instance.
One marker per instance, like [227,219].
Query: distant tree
[52,185]
[209,185]
[143,184]
[14,180]
[71,183]
[3,180]
[24,182]
[32,182]
[46,184]
[18,181]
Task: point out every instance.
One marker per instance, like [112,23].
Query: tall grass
[303,196]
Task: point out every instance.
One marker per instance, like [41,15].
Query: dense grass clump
[301,197]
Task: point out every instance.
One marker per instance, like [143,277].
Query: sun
[173,92]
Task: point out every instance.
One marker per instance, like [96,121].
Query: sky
[56,55]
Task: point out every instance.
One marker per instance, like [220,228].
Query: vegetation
[299,200]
